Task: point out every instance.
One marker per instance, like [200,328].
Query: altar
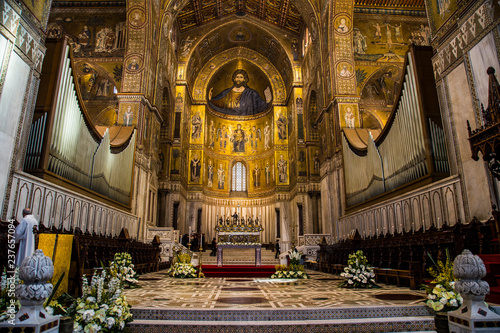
[237,232]
[220,248]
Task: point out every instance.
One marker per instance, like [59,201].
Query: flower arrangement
[294,270]
[358,273]
[102,306]
[289,272]
[9,305]
[183,268]
[55,308]
[441,294]
[122,268]
[294,256]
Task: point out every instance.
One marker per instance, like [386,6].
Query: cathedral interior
[326,120]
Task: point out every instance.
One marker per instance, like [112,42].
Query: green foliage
[441,294]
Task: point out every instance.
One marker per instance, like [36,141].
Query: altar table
[258,260]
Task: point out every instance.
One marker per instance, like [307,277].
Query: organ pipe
[411,147]
[64,144]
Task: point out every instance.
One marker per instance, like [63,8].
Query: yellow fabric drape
[62,258]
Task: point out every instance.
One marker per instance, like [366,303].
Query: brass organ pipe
[414,120]
[409,133]
[419,123]
[31,143]
[56,129]
[408,173]
[435,145]
[434,139]
[28,158]
[39,140]
[65,113]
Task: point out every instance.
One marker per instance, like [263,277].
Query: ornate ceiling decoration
[279,12]
[400,4]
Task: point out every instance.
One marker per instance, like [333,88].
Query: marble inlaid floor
[321,291]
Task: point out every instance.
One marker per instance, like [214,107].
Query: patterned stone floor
[321,291]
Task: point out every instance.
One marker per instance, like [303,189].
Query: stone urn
[35,271]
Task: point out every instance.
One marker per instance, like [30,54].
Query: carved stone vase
[34,271]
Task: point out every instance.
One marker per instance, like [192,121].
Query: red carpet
[492,263]
[238,271]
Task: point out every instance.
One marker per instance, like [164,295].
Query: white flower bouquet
[183,268]
[122,268]
[102,307]
[358,273]
[295,257]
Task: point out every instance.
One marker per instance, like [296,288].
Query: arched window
[239,176]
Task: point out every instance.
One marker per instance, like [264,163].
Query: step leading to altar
[218,304]
[238,271]
[349,319]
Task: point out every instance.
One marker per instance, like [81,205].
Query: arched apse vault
[201,46]
[242,55]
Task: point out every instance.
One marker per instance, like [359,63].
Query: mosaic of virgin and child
[240,100]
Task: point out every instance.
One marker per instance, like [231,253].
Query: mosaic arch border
[221,59]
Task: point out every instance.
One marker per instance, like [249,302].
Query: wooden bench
[402,259]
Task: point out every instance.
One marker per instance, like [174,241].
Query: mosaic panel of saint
[240,99]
